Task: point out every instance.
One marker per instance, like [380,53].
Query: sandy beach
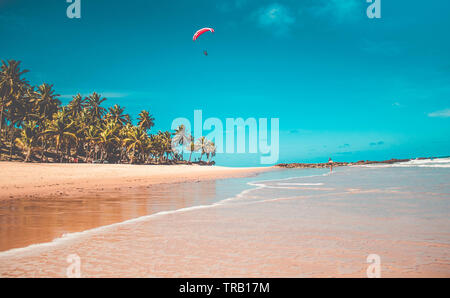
[286,223]
[57,181]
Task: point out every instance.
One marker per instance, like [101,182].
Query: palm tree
[94,106]
[116,114]
[127,119]
[121,136]
[91,135]
[162,145]
[18,112]
[146,121]
[26,108]
[61,130]
[202,145]
[107,138]
[192,146]
[135,141]
[180,138]
[46,101]
[81,127]
[77,105]
[154,148]
[45,104]
[11,82]
[211,150]
[14,105]
[150,149]
[167,143]
[28,138]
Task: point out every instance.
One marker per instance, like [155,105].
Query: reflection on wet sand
[26,222]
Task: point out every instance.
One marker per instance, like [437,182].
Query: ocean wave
[419,163]
[299,184]
[265,184]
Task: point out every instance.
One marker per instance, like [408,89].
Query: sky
[342,85]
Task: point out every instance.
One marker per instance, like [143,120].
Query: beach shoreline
[59,181]
[300,223]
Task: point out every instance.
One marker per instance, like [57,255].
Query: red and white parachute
[201,31]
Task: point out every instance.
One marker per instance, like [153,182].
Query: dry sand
[31,181]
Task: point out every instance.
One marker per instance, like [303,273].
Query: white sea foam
[419,163]
[299,184]
[262,184]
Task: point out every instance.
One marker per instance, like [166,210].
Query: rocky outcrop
[339,164]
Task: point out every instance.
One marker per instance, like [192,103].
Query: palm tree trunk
[1,116]
[11,142]
[5,129]
[89,153]
[132,157]
[42,150]
[57,152]
[27,157]
[68,151]
[11,149]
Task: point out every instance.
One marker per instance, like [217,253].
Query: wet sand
[41,202]
[56,181]
[26,222]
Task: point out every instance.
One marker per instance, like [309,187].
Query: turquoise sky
[343,86]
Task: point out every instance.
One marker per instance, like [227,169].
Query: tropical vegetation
[36,126]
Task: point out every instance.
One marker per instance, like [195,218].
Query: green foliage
[34,121]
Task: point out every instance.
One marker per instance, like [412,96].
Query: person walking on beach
[330,162]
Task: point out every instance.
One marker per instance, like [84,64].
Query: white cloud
[114,95]
[103,94]
[441,114]
[275,16]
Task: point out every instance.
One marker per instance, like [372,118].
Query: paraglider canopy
[201,31]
